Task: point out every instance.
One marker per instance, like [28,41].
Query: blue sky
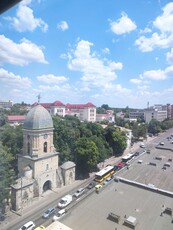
[115,52]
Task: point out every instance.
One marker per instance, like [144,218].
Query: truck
[66,200]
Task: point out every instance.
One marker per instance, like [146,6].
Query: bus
[104,173]
[127,157]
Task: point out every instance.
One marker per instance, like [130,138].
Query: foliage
[86,154]
[6,173]
[116,138]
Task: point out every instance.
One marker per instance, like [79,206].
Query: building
[15,120]
[159,115]
[6,105]
[85,112]
[136,114]
[38,163]
[108,116]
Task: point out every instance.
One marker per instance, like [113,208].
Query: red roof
[16,118]
[79,106]
[57,103]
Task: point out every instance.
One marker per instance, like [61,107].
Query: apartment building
[6,104]
[85,112]
[159,115]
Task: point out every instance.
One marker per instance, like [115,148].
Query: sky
[115,52]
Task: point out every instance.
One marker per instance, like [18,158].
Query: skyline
[104,52]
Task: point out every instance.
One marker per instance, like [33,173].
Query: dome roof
[38,118]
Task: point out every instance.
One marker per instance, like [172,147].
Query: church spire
[38,98]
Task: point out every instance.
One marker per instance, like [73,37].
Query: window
[45,147]
[28,148]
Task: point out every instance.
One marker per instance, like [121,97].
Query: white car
[28,226]
[59,214]
[79,192]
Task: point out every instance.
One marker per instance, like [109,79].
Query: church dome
[38,118]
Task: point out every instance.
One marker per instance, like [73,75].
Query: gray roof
[38,118]
[68,165]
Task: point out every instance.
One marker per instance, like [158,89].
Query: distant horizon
[104,52]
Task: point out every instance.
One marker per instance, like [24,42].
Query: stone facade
[38,163]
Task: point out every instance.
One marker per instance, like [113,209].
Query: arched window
[28,148]
[45,147]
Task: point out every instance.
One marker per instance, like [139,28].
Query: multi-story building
[159,115]
[136,114]
[85,112]
[6,104]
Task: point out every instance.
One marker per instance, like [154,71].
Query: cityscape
[86,115]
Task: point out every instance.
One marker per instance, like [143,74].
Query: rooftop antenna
[39,98]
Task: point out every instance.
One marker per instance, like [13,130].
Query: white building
[159,115]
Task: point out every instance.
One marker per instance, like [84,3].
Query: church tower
[39,155]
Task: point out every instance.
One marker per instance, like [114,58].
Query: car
[28,226]
[48,213]
[40,228]
[142,145]
[161,143]
[59,214]
[79,192]
[91,185]
[98,186]
[136,154]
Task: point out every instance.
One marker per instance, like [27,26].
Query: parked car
[91,185]
[136,154]
[79,192]
[59,214]
[48,213]
[28,226]
[40,228]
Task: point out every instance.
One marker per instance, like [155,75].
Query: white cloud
[95,72]
[20,54]
[51,79]
[136,81]
[63,88]
[122,25]
[25,20]
[9,80]
[63,26]
[106,51]
[169,56]
[164,37]
[155,74]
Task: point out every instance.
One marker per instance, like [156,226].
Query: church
[38,163]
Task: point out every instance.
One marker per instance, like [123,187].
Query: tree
[154,127]
[116,138]
[87,154]
[105,106]
[7,174]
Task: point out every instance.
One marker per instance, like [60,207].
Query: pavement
[13,218]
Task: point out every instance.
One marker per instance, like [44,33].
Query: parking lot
[126,200]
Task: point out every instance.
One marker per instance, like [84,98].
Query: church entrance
[47,186]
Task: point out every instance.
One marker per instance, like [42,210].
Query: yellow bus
[104,173]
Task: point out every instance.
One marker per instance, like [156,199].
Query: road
[35,211]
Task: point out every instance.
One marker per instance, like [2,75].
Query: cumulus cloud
[163,38]
[169,56]
[52,79]
[155,74]
[25,20]
[94,71]
[136,81]
[20,54]
[11,81]
[63,26]
[122,25]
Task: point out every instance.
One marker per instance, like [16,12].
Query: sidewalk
[13,217]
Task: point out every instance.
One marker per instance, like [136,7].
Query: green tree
[116,138]
[7,174]
[87,154]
